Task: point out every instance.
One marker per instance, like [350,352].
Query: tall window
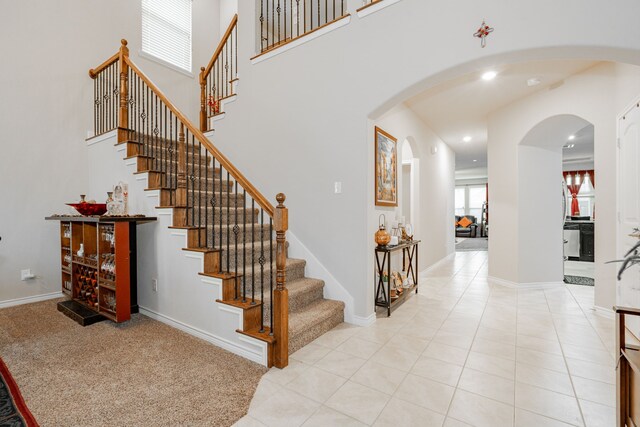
[477,196]
[460,201]
[166,31]
[469,200]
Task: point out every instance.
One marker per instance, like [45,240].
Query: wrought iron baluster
[206,200]
[279,10]
[262,25]
[199,180]
[213,202]
[244,244]
[236,230]
[253,249]
[221,205]
[228,218]
[95,107]
[271,273]
[262,261]
[192,180]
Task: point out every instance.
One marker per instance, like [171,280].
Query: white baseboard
[29,300]
[604,312]
[362,320]
[527,286]
[206,336]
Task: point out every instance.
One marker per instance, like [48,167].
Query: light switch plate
[337,187]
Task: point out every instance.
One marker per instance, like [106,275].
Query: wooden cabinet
[627,372]
[98,264]
[586,239]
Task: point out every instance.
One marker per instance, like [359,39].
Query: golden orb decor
[382,235]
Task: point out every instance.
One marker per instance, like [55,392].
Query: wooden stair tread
[244,305]
[262,336]
[202,250]
[135,156]
[149,171]
[186,227]
[222,275]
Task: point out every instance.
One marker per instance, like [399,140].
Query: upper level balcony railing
[282,21]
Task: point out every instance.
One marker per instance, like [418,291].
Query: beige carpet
[141,373]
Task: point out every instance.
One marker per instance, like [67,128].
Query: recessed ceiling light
[489,75]
[533,81]
[474,160]
[572,137]
[569,145]
[466,138]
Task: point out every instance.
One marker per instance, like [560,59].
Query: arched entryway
[541,211]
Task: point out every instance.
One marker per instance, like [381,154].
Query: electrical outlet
[154,285]
[26,274]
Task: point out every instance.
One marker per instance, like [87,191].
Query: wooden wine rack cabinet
[102,283]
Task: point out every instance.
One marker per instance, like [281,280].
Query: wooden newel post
[281,294]
[181,190]
[203,102]
[123,113]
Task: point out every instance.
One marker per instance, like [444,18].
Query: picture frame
[386,168]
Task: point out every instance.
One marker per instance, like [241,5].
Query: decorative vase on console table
[382,235]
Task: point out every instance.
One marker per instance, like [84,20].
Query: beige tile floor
[463,352]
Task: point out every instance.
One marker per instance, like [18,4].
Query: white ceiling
[460,107]
[580,156]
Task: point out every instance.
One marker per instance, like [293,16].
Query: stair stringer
[185,299]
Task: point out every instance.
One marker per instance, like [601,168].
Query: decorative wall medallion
[482,33]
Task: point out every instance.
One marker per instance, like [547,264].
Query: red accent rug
[13,410]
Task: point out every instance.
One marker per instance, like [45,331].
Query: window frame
[153,58]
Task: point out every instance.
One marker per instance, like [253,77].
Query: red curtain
[574,188]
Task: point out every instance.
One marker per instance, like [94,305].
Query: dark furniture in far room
[469,231]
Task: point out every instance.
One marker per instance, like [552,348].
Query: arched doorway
[541,211]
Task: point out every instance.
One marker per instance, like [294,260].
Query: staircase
[240,236]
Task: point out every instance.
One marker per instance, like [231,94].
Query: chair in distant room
[466,226]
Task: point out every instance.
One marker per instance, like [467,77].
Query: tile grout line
[564,358]
[455,390]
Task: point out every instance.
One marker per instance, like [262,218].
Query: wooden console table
[409,264]
[628,372]
[102,282]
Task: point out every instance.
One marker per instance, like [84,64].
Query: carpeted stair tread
[294,268]
[302,293]
[314,320]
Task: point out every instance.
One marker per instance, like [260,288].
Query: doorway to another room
[579,195]
[472,215]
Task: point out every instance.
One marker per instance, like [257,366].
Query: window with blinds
[166,31]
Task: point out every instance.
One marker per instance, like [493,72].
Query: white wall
[301,121]
[228,8]
[582,95]
[46,111]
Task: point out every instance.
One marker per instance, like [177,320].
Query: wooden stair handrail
[221,158]
[93,73]
[278,352]
[206,70]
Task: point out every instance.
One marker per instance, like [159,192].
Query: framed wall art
[386,178]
